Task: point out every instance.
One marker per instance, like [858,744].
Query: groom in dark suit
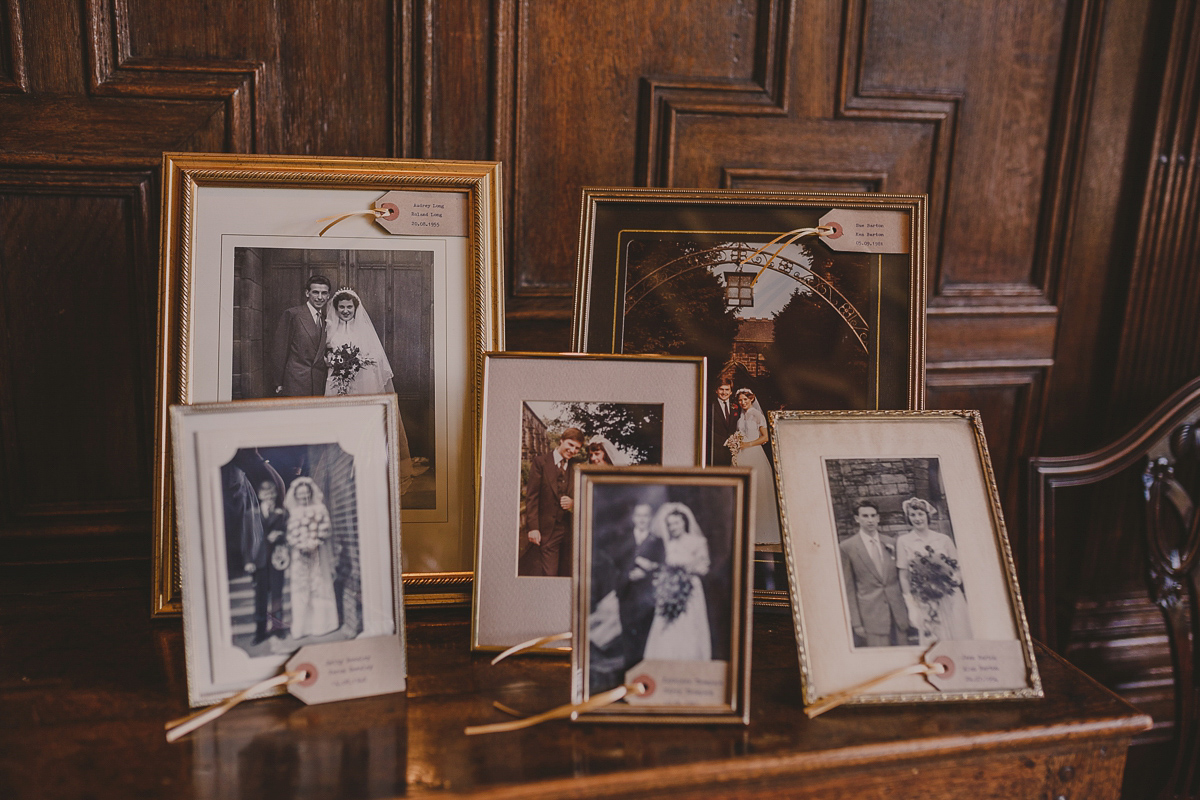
[640,556]
[549,501]
[878,615]
[722,423]
[298,350]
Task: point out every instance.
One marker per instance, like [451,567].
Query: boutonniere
[889,547]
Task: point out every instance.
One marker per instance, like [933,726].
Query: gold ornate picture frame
[830,316]
[241,238]
[663,593]
[897,556]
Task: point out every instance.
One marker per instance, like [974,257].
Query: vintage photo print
[557,436]
[899,562]
[335,321]
[665,584]
[289,532]
[291,547]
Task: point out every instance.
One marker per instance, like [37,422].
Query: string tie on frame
[798,233]
[599,701]
[178,728]
[924,667]
[374,213]
[534,644]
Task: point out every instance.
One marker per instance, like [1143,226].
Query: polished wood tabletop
[87,681]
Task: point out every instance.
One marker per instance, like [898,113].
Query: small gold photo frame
[289,532]
[663,593]
[545,414]
[290,276]
[897,555]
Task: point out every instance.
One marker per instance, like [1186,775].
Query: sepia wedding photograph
[663,586]
[898,558]
[555,438]
[329,322]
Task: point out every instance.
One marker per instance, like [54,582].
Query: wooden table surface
[87,681]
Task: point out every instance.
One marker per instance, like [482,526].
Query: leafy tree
[634,427]
[685,315]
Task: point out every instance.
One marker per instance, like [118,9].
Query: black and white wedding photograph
[661,576]
[555,437]
[899,562]
[334,322]
[291,547]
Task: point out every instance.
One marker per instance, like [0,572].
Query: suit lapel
[865,555]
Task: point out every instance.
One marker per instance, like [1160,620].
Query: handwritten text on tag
[860,230]
[976,665]
[679,683]
[424,213]
[345,670]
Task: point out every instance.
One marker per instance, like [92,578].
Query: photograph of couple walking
[904,585]
[317,322]
[661,576]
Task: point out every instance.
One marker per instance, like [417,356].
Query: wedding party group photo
[661,575]
[555,437]
[335,322]
[900,566]
[291,547]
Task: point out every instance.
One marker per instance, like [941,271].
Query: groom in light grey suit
[878,615]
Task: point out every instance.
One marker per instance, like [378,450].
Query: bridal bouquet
[932,576]
[734,443]
[672,588]
[307,528]
[344,363]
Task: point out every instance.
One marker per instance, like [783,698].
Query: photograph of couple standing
[903,581]
[291,538]
[661,577]
[302,328]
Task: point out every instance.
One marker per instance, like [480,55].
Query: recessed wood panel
[12,48]
[76,367]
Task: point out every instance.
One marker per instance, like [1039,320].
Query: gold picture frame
[646,409]
[218,208]
[897,553]
[706,679]
[650,259]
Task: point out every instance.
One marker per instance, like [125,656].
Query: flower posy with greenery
[932,576]
[672,588]
[344,363]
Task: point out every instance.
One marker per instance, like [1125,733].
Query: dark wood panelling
[12,48]
[77,315]
[1006,398]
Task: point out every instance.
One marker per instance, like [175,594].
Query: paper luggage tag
[349,669]
[679,683]
[861,230]
[423,213]
[978,666]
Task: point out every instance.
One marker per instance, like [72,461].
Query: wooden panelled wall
[1055,138]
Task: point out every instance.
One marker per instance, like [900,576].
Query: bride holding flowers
[355,356]
[309,530]
[680,629]
[930,577]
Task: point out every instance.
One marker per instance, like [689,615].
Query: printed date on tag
[978,666]
[680,683]
[424,213]
[860,230]
[349,669]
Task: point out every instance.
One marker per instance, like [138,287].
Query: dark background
[1056,140]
